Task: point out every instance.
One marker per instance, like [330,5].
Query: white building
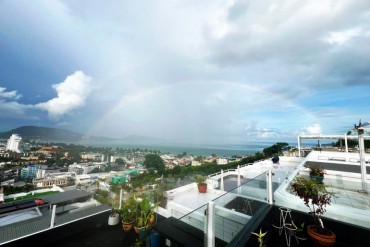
[14,143]
[222,161]
[83,168]
[1,195]
[92,156]
[195,163]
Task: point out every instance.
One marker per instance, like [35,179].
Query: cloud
[11,109]
[72,94]
[252,130]
[13,95]
[340,38]
[309,41]
[314,129]
[9,105]
[255,69]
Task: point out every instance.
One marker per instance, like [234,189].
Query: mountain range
[46,134]
[36,133]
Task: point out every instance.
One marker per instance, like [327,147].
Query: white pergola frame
[360,137]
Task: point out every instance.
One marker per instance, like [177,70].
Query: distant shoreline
[221,150]
[201,150]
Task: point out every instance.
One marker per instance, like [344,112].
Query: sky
[210,71]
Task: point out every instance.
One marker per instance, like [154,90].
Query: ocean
[202,150]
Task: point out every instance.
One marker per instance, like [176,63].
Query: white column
[362,159]
[269,187]
[238,176]
[222,180]
[211,225]
[239,188]
[346,142]
[52,221]
[299,146]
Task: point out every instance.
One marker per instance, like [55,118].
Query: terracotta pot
[202,188]
[127,225]
[327,239]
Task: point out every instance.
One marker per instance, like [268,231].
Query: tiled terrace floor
[350,198]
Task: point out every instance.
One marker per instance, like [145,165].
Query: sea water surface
[221,150]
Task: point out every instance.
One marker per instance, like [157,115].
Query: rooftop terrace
[240,210]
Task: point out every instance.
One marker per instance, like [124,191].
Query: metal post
[120,198]
[299,146]
[52,222]
[239,188]
[211,224]
[362,159]
[346,142]
[222,180]
[269,188]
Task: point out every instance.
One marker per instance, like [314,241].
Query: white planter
[113,220]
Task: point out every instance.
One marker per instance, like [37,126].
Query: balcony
[237,212]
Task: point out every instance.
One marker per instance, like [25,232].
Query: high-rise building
[29,171]
[14,143]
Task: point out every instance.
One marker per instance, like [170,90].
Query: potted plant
[113,217]
[145,216]
[159,195]
[202,185]
[128,214]
[315,197]
[261,237]
[300,233]
[317,173]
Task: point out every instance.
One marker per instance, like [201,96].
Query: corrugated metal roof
[65,196]
[28,227]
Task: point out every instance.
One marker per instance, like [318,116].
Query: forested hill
[47,134]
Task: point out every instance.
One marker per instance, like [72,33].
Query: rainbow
[130,99]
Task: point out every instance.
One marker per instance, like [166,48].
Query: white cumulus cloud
[9,105]
[13,95]
[71,94]
[314,129]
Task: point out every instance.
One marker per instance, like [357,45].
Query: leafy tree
[154,161]
[275,149]
[120,161]
[176,170]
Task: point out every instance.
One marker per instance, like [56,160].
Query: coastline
[201,150]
